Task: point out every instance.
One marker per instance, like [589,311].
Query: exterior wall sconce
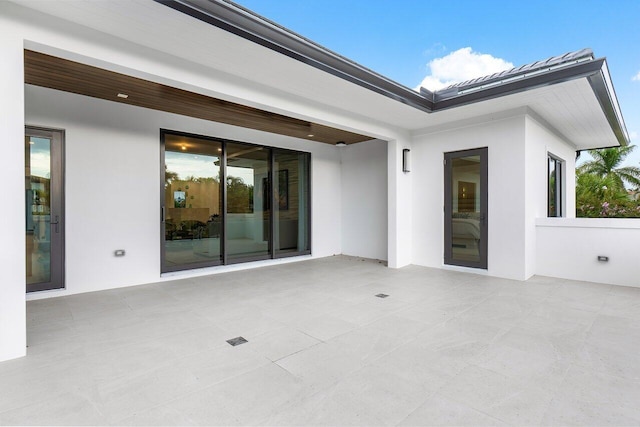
[406,160]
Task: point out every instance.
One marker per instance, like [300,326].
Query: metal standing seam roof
[244,23]
[522,71]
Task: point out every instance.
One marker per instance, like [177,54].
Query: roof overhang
[246,24]
[250,26]
[218,49]
[594,71]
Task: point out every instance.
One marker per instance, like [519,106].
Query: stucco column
[12,215]
[400,205]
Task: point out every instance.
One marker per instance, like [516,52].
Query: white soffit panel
[570,108]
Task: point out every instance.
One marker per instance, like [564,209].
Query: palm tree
[591,188]
[605,164]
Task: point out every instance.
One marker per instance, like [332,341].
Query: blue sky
[399,39]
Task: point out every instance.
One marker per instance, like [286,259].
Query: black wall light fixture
[406,160]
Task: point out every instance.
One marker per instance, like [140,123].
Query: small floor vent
[236,341]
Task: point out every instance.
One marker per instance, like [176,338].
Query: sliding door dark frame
[225,260]
[223,205]
[448,206]
[272,203]
[289,254]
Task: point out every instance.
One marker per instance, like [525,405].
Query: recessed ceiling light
[123,95]
[219,149]
[341,144]
[184,147]
[311,135]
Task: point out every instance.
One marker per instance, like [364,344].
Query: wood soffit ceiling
[69,76]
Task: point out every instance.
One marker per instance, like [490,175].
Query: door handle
[56,223]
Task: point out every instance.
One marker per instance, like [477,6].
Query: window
[554,186]
[261,211]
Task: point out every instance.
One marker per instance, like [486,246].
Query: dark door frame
[57,211]
[225,259]
[448,207]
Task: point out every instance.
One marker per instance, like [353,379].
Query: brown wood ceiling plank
[69,76]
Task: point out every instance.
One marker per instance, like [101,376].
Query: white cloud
[633,135]
[461,65]
[636,78]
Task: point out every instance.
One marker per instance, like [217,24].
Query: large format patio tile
[440,411]
[444,348]
[507,399]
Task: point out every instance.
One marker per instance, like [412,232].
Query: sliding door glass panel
[291,195]
[38,208]
[192,203]
[248,216]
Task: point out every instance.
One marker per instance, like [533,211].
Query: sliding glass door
[261,211]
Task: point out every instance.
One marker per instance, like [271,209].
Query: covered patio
[324,348]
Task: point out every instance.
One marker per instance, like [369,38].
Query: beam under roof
[69,76]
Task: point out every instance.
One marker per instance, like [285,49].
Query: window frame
[558,197]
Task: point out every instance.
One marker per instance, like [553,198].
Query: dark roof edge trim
[244,23]
[609,103]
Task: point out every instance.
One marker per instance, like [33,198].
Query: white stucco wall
[101,135]
[112,187]
[12,216]
[518,142]
[504,136]
[364,199]
[400,205]
[569,248]
[540,141]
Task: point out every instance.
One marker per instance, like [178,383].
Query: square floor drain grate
[237,341]
[382,295]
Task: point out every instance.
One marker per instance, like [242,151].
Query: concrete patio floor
[444,348]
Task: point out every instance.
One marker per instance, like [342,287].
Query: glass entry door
[465,210]
[44,209]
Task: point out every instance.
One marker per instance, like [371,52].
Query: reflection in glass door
[465,227]
[248,216]
[291,202]
[225,202]
[192,202]
[44,209]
